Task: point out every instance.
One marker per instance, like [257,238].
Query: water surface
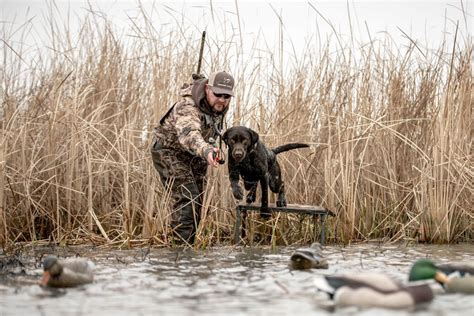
[218,281]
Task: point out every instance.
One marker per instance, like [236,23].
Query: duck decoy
[308,258]
[365,290]
[68,272]
[454,277]
[463,269]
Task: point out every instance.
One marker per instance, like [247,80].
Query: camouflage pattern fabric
[185,176]
[187,126]
[179,149]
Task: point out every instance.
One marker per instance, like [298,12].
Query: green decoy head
[425,269]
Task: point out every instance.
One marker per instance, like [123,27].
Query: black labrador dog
[250,159]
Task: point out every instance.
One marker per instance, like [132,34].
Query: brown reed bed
[391,136]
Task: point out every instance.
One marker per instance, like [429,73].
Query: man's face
[218,102]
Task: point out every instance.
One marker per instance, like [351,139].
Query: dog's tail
[287,147]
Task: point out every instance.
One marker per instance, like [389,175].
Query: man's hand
[212,157]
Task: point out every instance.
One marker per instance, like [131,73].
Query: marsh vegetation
[390,129]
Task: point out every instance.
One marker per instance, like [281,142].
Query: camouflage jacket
[189,124]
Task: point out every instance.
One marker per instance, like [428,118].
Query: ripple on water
[235,281]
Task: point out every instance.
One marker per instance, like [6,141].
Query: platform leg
[323,229]
[238,226]
[315,223]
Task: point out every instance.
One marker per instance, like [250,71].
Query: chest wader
[184,174]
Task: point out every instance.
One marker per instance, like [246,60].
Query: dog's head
[240,140]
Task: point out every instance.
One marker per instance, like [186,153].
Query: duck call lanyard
[217,127]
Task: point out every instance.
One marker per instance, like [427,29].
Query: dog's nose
[238,154]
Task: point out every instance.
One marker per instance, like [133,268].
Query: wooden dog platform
[316,211]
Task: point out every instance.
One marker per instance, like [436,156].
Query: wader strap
[167,114]
[188,98]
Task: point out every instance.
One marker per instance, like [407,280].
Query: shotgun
[198,75]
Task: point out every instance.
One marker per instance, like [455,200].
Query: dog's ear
[253,136]
[225,137]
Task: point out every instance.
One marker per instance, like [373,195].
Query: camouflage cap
[221,83]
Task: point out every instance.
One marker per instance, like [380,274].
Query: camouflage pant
[184,174]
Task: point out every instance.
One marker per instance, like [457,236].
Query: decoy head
[316,246]
[51,268]
[425,269]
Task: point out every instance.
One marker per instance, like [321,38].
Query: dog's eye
[232,141]
[245,142]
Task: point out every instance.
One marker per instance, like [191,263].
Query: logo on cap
[221,82]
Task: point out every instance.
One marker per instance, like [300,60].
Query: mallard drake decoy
[308,258]
[68,272]
[366,290]
[455,277]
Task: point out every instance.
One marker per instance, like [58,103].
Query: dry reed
[391,137]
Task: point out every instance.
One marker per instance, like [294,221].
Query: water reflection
[235,281]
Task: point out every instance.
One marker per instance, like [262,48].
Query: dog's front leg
[252,188]
[264,212]
[234,183]
[281,201]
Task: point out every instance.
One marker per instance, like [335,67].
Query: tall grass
[391,136]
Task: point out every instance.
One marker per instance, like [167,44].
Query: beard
[219,109]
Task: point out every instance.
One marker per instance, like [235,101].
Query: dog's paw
[238,192]
[281,203]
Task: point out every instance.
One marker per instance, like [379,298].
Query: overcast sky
[426,22]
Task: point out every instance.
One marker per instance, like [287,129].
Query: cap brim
[222,91]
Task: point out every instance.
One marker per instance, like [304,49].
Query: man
[181,148]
